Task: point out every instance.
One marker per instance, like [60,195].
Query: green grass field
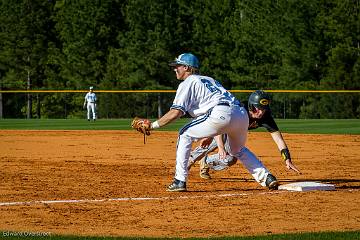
[320,126]
[323,126]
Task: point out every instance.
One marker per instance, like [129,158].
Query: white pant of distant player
[91,109]
[221,119]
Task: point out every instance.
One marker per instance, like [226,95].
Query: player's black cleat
[271,182]
[177,186]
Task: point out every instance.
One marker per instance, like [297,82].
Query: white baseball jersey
[90,97]
[197,94]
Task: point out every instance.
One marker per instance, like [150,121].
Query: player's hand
[291,166]
[222,153]
[205,142]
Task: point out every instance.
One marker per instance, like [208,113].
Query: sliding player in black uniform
[258,108]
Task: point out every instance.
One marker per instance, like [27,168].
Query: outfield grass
[320,126]
[333,126]
[299,236]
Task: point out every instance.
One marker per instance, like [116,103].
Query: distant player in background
[258,109]
[90,103]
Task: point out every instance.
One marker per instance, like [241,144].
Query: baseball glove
[142,125]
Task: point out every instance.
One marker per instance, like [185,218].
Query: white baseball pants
[232,120]
[91,107]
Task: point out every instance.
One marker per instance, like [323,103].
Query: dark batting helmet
[260,100]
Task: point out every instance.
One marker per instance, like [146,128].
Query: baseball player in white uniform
[215,111]
[90,103]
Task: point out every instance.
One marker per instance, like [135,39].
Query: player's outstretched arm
[170,116]
[285,153]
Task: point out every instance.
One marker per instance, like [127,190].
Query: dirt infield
[113,184]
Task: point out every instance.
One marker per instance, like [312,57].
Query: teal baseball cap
[187,59]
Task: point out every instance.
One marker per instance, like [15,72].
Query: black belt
[223,104]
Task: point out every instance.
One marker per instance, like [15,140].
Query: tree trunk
[38,112]
[29,106]
[159,106]
[29,98]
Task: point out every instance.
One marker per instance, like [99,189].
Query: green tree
[339,22]
[139,60]
[86,29]
[25,34]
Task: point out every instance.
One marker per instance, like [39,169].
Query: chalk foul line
[132,199]
[124,199]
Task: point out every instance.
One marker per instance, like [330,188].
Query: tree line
[126,45]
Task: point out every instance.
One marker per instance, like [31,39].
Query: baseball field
[62,178]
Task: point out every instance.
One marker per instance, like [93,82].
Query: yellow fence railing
[173,91]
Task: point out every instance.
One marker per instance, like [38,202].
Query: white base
[307,186]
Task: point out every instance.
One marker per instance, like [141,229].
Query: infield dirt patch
[114,166]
